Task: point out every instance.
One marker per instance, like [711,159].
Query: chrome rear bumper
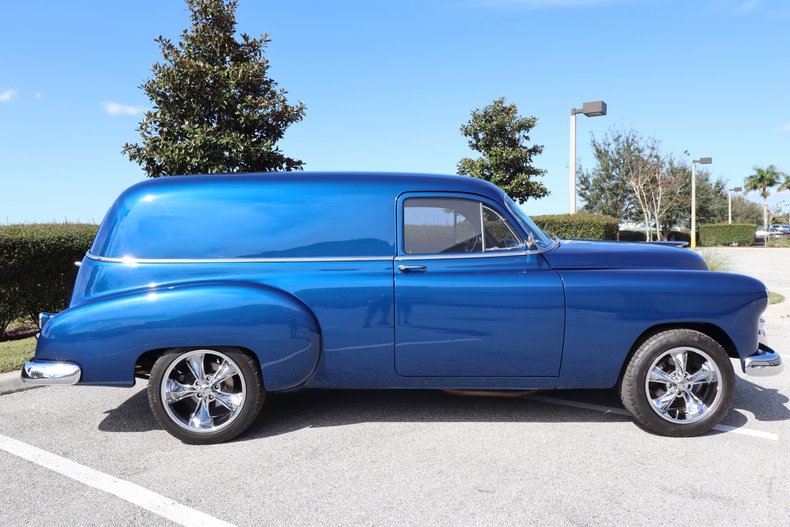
[51,372]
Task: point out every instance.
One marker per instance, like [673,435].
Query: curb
[11,383]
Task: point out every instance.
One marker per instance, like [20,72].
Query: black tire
[252,396]
[634,388]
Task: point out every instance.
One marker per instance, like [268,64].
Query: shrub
[37,269]
[632,236]
[726,234]
[579,226]
[715,260]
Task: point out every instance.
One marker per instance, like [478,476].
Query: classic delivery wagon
[223,288]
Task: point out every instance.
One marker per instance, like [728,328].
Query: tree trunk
[765,217]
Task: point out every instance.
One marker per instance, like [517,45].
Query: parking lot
[96,456]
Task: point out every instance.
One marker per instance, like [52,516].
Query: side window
[449,225]
[438,225]
[498,234]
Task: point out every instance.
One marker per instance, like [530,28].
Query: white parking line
[621,411]
[140,496]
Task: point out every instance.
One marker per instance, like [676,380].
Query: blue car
[221,289]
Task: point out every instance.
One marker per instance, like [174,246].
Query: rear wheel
[678,383]
[204,396]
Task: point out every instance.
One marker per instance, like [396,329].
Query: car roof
[395,182]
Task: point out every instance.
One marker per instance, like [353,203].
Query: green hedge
[726,234]
[639,236]
[579,226]
[37,268]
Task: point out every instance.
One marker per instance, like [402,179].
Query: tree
[655,181]
[605,189]
[763,180]
[711,199]
[215,109]
[785,185]
[745,210]
[501,136]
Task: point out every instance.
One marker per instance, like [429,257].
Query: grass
[14,353]
[782,242]
[716,261]
[775,298]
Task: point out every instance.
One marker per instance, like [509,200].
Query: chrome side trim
[455,256]
[136,261]
[50,372]
[764,363]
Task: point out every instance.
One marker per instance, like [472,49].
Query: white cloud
[7,95]
[38,95]
[784,128]
[545,4]
[115,108]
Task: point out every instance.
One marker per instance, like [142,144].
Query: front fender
[107,335]
[608,310]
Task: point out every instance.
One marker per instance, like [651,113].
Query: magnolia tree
[501,136]
[215,108]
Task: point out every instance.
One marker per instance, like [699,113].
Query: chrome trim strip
[50,372]
[135,261]
[764,363]
[455,256]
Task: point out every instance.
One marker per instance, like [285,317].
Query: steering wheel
[471,243]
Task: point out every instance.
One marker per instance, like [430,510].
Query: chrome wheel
[203,391]
[683,385]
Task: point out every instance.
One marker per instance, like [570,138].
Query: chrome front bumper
[765,361]
[51,372]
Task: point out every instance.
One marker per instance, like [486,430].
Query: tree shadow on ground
[288,412]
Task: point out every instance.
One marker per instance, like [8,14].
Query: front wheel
[678,383]
[204,396]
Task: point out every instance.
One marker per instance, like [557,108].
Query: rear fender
[107,335]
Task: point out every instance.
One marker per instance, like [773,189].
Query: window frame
[482,201]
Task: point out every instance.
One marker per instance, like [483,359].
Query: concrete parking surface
[96,456]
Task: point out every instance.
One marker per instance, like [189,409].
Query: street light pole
[590,109]
[729,202]
[693,233]
[572,164]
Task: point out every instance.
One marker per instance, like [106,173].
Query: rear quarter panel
[608,310]
[107,335]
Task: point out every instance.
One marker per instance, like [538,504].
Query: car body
[316,280]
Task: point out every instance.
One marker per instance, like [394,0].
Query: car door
[470,299]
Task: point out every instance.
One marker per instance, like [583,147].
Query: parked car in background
[221,289]
[776,231]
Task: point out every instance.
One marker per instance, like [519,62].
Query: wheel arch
[711,330]
[146,360]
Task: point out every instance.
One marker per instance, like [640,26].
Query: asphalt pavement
[96,456]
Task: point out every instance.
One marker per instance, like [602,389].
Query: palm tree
[763,180]
[785,184]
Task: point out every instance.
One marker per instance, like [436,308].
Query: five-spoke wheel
[205,395]
[679,382]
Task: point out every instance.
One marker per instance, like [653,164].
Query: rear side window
[451,225]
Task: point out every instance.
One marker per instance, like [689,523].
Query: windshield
[538,236]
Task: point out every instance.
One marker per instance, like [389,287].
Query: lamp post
[729,202]
[590,109]
[693,233]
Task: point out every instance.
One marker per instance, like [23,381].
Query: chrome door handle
[412,268]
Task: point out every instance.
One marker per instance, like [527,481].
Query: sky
[387,84]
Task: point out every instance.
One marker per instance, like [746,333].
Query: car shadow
[289,412]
